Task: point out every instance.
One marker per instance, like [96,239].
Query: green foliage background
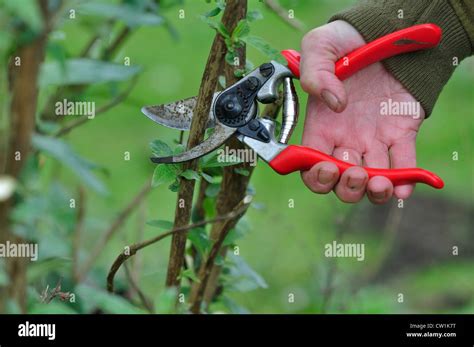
[285,246]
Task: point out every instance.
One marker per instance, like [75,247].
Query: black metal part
[232,107]
[162,160]
[255,130]
[266,69]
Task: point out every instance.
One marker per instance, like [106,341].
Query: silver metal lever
[290,110]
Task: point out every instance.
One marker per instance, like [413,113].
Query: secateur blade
[176,115]
[220,135]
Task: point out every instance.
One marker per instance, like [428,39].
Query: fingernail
[355,183]
[325,177]
[378,195]
[330,99]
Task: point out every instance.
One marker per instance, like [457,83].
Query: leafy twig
[233,186]
[196,135]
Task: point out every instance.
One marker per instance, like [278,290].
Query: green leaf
[84,71]
[162,224]
[131,15]
[208,178]
[254,15]
[163,174]
[180,148]
[240,230]
[199,239]
[221,81]
[212,13]
[243,277]
[241,30]
[221,4]
[190,175]
[264,47]
[233,306]
[27,11]
[166,301]
[239,73]
[229,58]
[220,261]
[92,298]
[61,151]
[189,273]
[212,190]
[160,148]
[209,207]
[174,187]
[217,25]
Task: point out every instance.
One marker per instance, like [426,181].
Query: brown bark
[23,90]
[203,105]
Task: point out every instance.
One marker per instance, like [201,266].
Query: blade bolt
[254,124]
[266,69]
[229,106]
[252,83]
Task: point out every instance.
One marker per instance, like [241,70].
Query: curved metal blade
[178,114]
[220,135]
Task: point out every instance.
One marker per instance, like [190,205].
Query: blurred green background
[286,245]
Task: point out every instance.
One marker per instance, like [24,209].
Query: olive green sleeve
[423,73]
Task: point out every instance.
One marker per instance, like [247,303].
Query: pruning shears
[234,111]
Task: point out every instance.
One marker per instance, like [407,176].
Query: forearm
[423,73]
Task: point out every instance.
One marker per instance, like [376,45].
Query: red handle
[411,39]
[299,158]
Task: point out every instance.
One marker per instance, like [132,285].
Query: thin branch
[117,43]
[146,302]
[283,14]
[104,108]
[116,224]
[233,186]
[198,126]
[141,222]
[131,250]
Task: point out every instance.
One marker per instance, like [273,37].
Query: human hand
[344,119]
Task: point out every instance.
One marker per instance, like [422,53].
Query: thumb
[320,49]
